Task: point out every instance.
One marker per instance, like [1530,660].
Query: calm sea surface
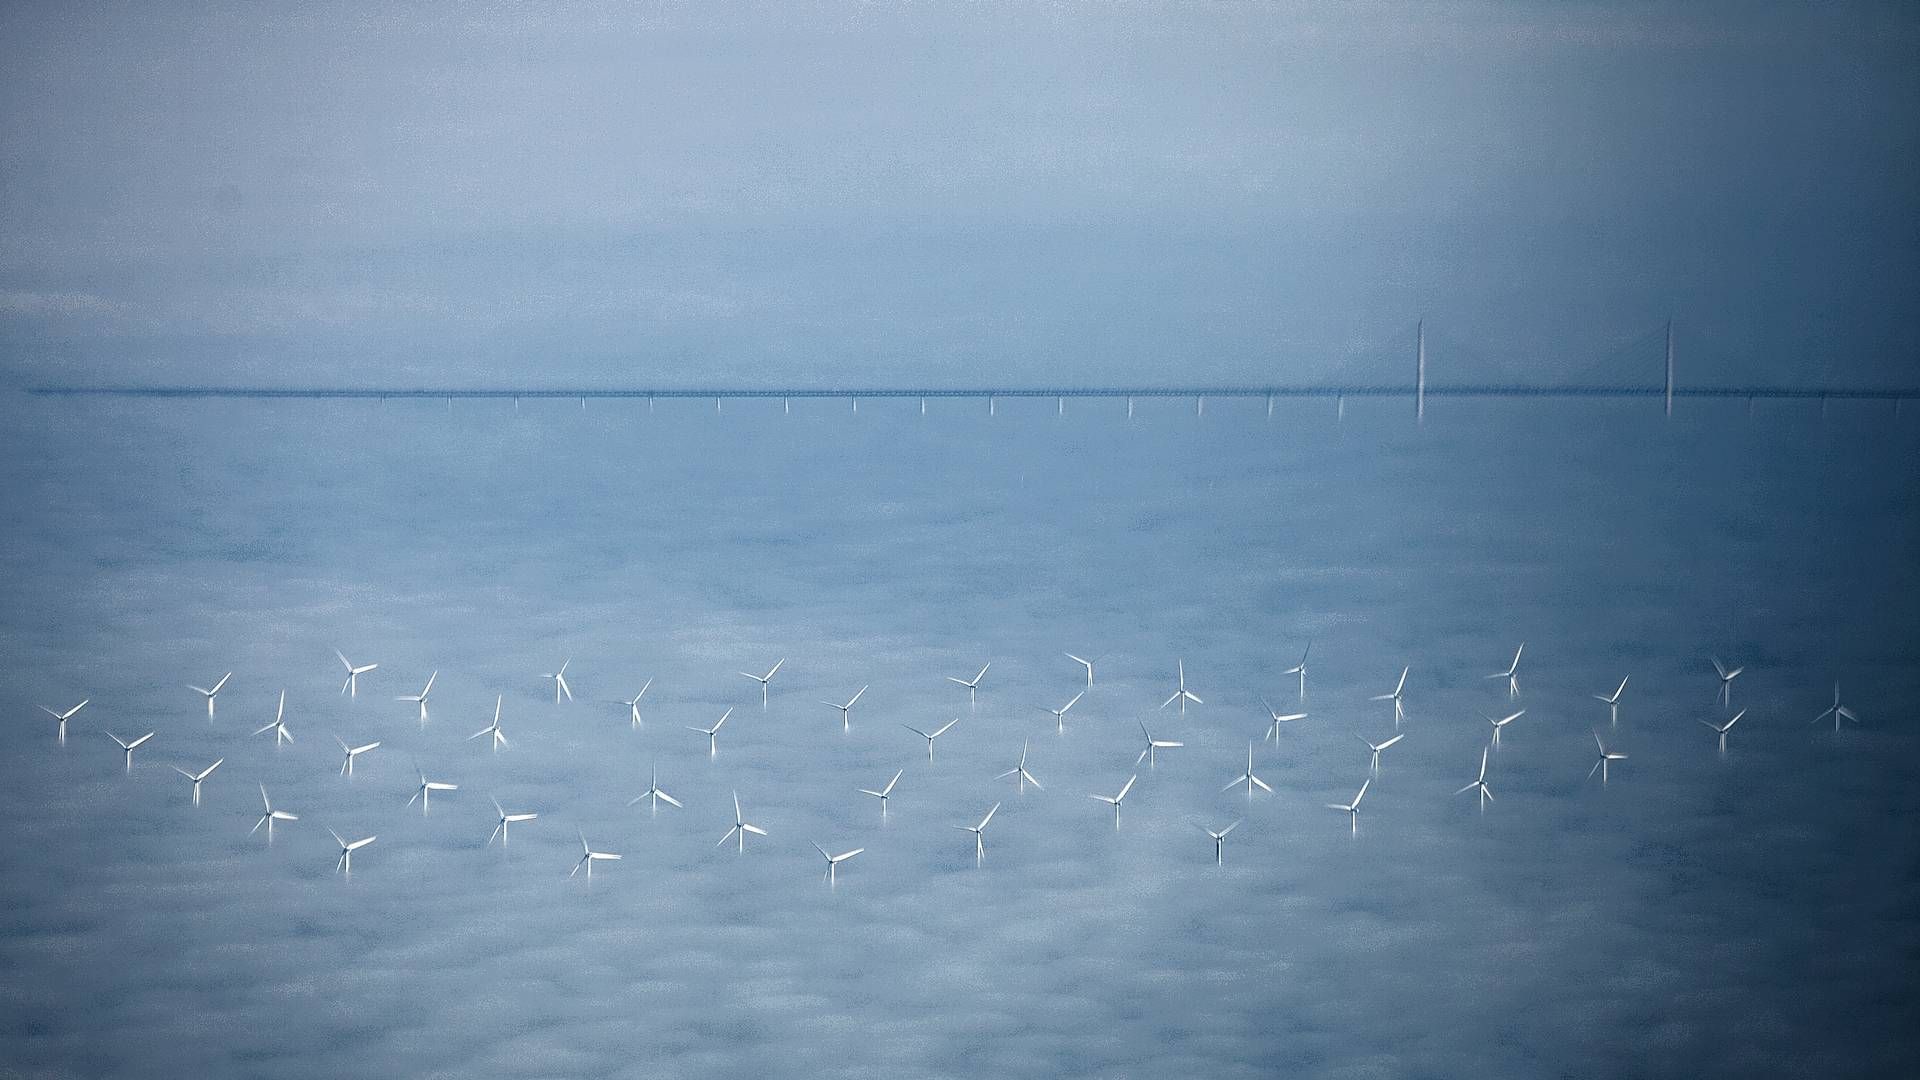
[1752,912]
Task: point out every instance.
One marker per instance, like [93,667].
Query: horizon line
[1363,390]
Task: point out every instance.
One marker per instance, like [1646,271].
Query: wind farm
[1508,409]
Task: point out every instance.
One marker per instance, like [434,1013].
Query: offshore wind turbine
[427,787]
[420,698]
[1728,726]
[351,687]
[499,737]
[63,717]
[884,793]
[1117,799]
[713,733]
[270,816]
[1376,747]
[1299,669]
[506,819]
[1020,771]
[1606,756]
[1613,702]
[980,834]
[129,747]
[1273,729]
[347,850]
[1060,714]
[1248,778]
[834,861]
[1353,808]
[846,711]
[1513,679]
[211,694]
[1837,711]
[346,763]
[740,828]
[1152,745]
[1501,723]
[1220,838]
[972,684]
[1398,713]
[633,707]
[763,680]
[1088,664]
[1480,782]
[198,777]
[560,686]
[932,735]
[654,793]
[279,725]
[1726,681]
[1182,695]
[588,857]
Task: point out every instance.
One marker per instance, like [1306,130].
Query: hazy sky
[944,193]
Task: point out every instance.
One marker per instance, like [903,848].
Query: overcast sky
[946,193]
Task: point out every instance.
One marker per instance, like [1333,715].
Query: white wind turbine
[560,686]
[972,684]
[346,763]
[210,694]
[763,680]
[129,747]
[1501,723]
[740,827]
[499,737]
[1299,669]
[1182,695]
[1020,771]
[654,792]
[420,698]
[1220,839]
[930,736]
[1376,747]
[712,733]
[1398,713]
[1060,714]
[588,857]
[1152,745]
[980,834]
[1117,799]
[424,793]
[198,777]
[63,717]
[1480,782]
[834,861]
[1513,679]
[506,819]
[1088,664]
[633,707]
[1273,729]
[279,725]
[1722,729]
[1248,778]
[1726,681]
[351,687]
[270,816]
[347,850]
[1606,756]
[1613,702]
[1837,711]
[884,793]
[846,711]
[1353,808]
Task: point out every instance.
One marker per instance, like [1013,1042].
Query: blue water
[1746,913]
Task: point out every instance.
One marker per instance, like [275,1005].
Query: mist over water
[1700,914]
